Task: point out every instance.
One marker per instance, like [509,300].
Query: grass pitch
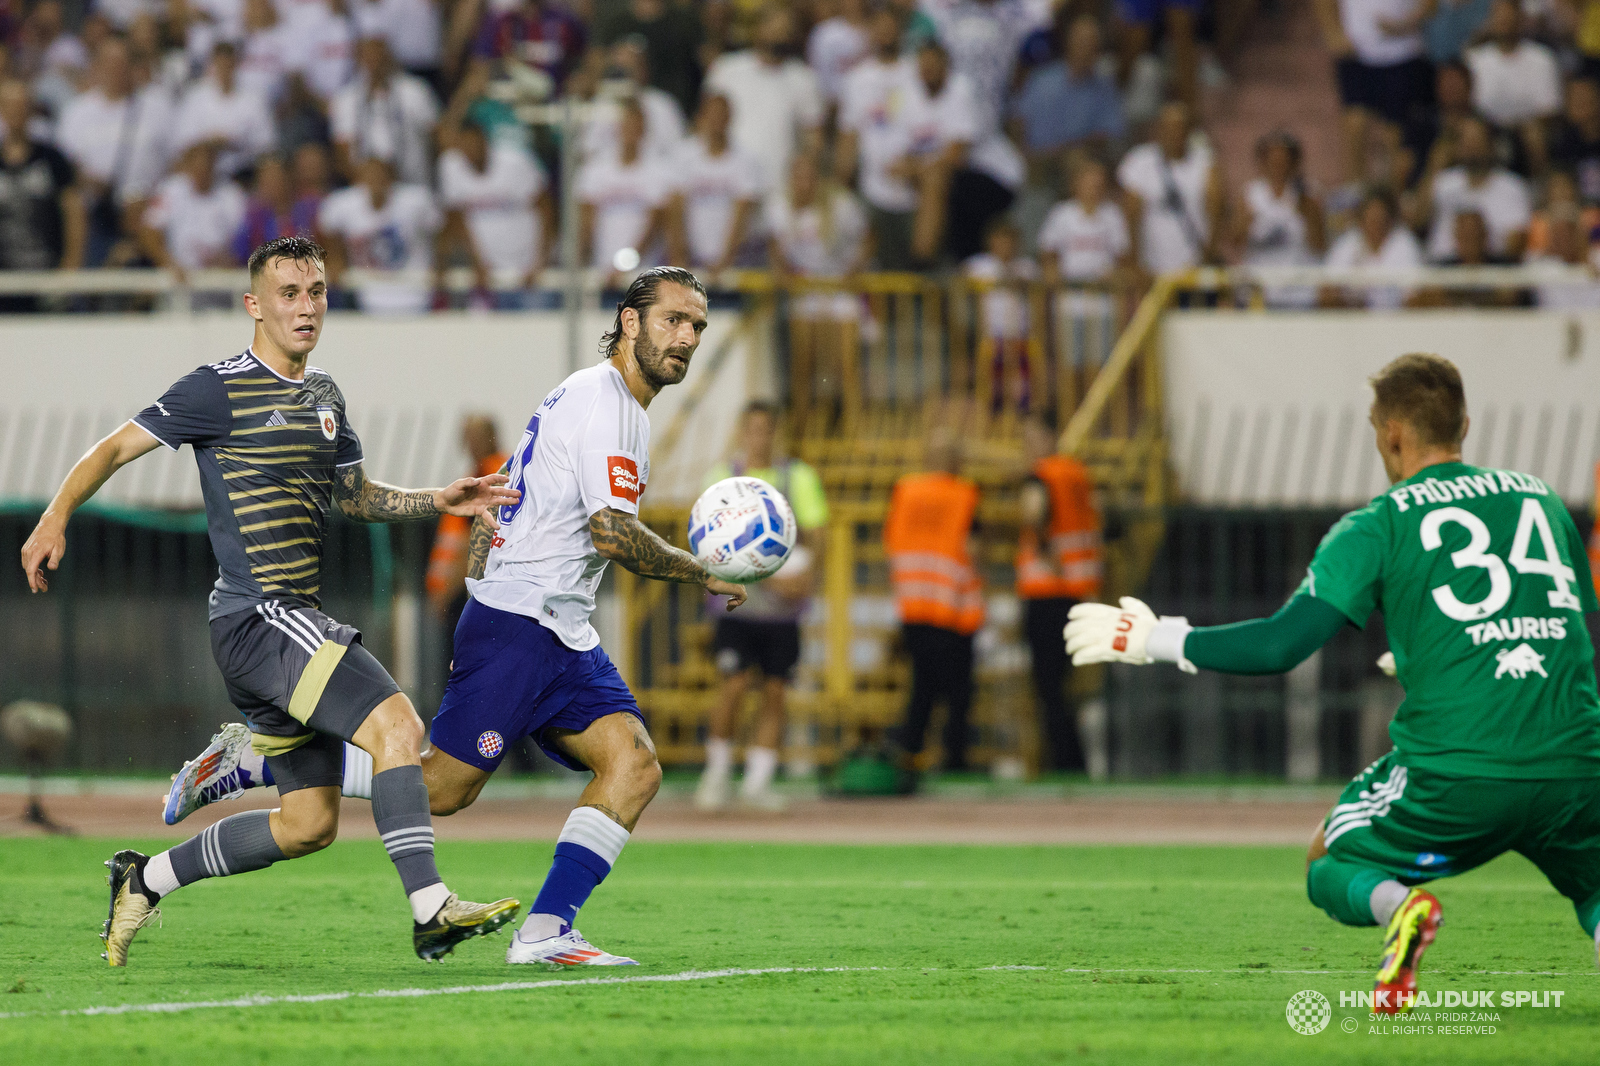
[876,955]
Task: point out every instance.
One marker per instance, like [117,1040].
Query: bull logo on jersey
[328,420]
[624,475]
[1518,662]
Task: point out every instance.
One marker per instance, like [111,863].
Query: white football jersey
[585,449]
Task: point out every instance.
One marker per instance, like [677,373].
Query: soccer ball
[741,529]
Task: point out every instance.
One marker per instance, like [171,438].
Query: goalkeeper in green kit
[1483,582]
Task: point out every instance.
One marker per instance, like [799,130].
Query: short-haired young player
[527,660]
[1481,579]
[276,452]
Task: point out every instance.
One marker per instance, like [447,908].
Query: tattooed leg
[619,750]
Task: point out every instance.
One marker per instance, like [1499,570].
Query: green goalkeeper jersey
[1483,582]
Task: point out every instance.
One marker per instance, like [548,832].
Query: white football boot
[714,793]
[568,948]
[211,776]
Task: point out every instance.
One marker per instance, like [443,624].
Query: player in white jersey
[527,660]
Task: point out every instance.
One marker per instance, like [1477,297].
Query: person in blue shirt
[1067,103]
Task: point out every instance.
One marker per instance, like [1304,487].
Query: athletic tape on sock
[589,828]
[158,876]
[1385,898]
[357,773]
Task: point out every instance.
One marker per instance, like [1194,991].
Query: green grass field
[889,954]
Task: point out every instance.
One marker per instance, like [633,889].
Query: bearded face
[659,366]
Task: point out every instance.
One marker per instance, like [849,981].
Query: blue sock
[585,852]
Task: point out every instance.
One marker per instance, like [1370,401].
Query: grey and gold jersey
[267,447]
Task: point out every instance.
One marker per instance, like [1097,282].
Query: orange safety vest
[1073,567]
[450,541]
[925,537]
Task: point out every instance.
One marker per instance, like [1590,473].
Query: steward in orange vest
[938,594]
[447,562]
[1058,564]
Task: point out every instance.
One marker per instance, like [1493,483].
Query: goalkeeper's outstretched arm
[1131,633]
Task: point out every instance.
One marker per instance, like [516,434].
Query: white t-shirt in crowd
[212,21]
[321,42]
[834,47]
[1362,20]
[1167,188]
[412,28]
[394,122]
[1564,292]
[1277,234]
[771,106]
[498,204]
[122,13]
[196,224]
[242,119]
[586,448]
[124,142]
[1502,200]
[663,126]
[1087,245]
[712,187]
[264,60]
[814,244]
[1400,251]
[397,236]
[985,42]
[872,104]
[623,197]
[1508,89]
[1005,309]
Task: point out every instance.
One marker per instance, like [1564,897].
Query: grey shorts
[296,674]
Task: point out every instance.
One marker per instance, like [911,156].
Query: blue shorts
[514,678]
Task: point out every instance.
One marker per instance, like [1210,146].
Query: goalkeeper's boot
[1414,925]
[459,920]
[213,775]
[131,907]
[567,948]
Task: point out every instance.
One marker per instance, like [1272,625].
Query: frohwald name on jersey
[1466,487]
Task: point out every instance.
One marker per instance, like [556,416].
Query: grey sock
[236,845]
[400,807]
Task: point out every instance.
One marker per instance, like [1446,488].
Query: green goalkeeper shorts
[1418,826]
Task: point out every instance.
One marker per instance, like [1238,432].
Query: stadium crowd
[1009,139]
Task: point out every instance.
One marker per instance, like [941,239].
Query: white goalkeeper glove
[1129,633]
[1386,663]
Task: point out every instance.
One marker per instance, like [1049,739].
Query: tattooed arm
[623,539]
[365,500]
[481,539]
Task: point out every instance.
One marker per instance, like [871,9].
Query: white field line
[455,990]
[1273,970]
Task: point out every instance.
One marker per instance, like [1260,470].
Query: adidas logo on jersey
[276,419]
[1519,662]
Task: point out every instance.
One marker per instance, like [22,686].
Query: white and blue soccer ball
[741,529]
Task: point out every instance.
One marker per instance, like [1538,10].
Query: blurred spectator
[116,138]
[1174,195]
[264,53]
[377,224]
[411,28]
[1136,21]
[1379,242]
[1068,103]
[1454,25]
[1436,136]
[537,37]
[121,13]
[321,44]
[838,41]
[621,199]
[1085,238]
[190,222]
[762,638]
[1377,49]
[628,74]
[1004,313]
[384,113]
[497,200]
[1471,240]
[1477,183]
[312,172]
[1568,253]
[916,27]
[965,177]
[873,137]
[1574,141]
[672,34]
[202,24]
[777,107]
[55,62]
[447,562]
[42,224]
[216,108]
[928,537]
[984,41]
[1515,81]
[1279,222]
[273,211]
[717,193]
[1561,198]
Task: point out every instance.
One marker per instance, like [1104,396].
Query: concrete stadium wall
[1270,410]
[72,379]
